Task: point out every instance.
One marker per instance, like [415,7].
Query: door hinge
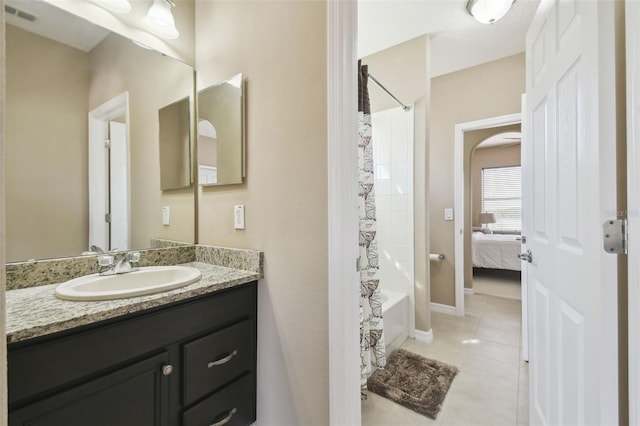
[107,143]
[615,236]
[107,217]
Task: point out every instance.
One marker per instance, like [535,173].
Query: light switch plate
[165,215]
[238,216]
[448,214]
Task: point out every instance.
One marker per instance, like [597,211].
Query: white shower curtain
[372,348]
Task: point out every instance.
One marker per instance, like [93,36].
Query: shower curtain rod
[404,107]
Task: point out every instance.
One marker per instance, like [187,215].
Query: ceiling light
[159,20]
[120,6]
[488,11]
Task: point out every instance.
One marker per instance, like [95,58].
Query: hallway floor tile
[492,385]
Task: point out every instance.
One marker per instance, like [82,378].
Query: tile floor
[491,387]
[496,282]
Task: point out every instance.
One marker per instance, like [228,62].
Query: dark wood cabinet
[133,396]
[187,363]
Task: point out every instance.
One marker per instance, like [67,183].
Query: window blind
[502,196]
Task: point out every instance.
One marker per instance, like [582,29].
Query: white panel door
[633,204]
[526,188]
[100,169]
[572,282]
[119,186]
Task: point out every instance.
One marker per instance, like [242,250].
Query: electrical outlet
[165,215]
[238,216]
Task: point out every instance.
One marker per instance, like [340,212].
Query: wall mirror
[221,133]
[175,145]
[82,138]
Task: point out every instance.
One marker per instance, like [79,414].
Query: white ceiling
[65,27]
[57,24]
[458,40]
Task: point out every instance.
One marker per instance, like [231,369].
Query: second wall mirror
[221,133]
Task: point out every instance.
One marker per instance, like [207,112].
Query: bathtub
[395,316]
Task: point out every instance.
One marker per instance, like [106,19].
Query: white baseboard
[424,336]
[443,309]
[468,291]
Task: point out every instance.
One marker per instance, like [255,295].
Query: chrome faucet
[96,249]
[118,263]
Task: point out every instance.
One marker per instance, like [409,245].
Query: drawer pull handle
[223,360]
[226,419]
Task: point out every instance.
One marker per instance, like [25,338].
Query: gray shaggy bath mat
[414,381]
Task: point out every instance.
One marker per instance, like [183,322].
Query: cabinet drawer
[216,359]
[232,405]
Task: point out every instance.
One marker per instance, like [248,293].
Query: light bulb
[488,11]
[159,20]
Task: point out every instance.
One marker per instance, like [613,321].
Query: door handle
[528,256]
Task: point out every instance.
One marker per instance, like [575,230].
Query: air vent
[10,10]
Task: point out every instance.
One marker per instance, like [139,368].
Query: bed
[495,251]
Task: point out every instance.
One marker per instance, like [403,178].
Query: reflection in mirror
[54,80]
[175,147]
[220,133]
[109,174]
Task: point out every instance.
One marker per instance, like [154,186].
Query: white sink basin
[147,280]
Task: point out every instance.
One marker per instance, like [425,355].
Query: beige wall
[484,158]
[484,91]
[153,81]
[207,151]
[175,144]
[280,47]
[46,149]
[404,70]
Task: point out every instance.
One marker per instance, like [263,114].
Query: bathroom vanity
[186,357]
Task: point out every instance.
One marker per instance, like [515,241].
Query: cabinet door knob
[223,360]
[226,419]
[167,370]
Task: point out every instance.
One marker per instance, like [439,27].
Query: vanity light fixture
[119,6]
[159,19]
[488,11]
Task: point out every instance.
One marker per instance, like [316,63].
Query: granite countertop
[36,311]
